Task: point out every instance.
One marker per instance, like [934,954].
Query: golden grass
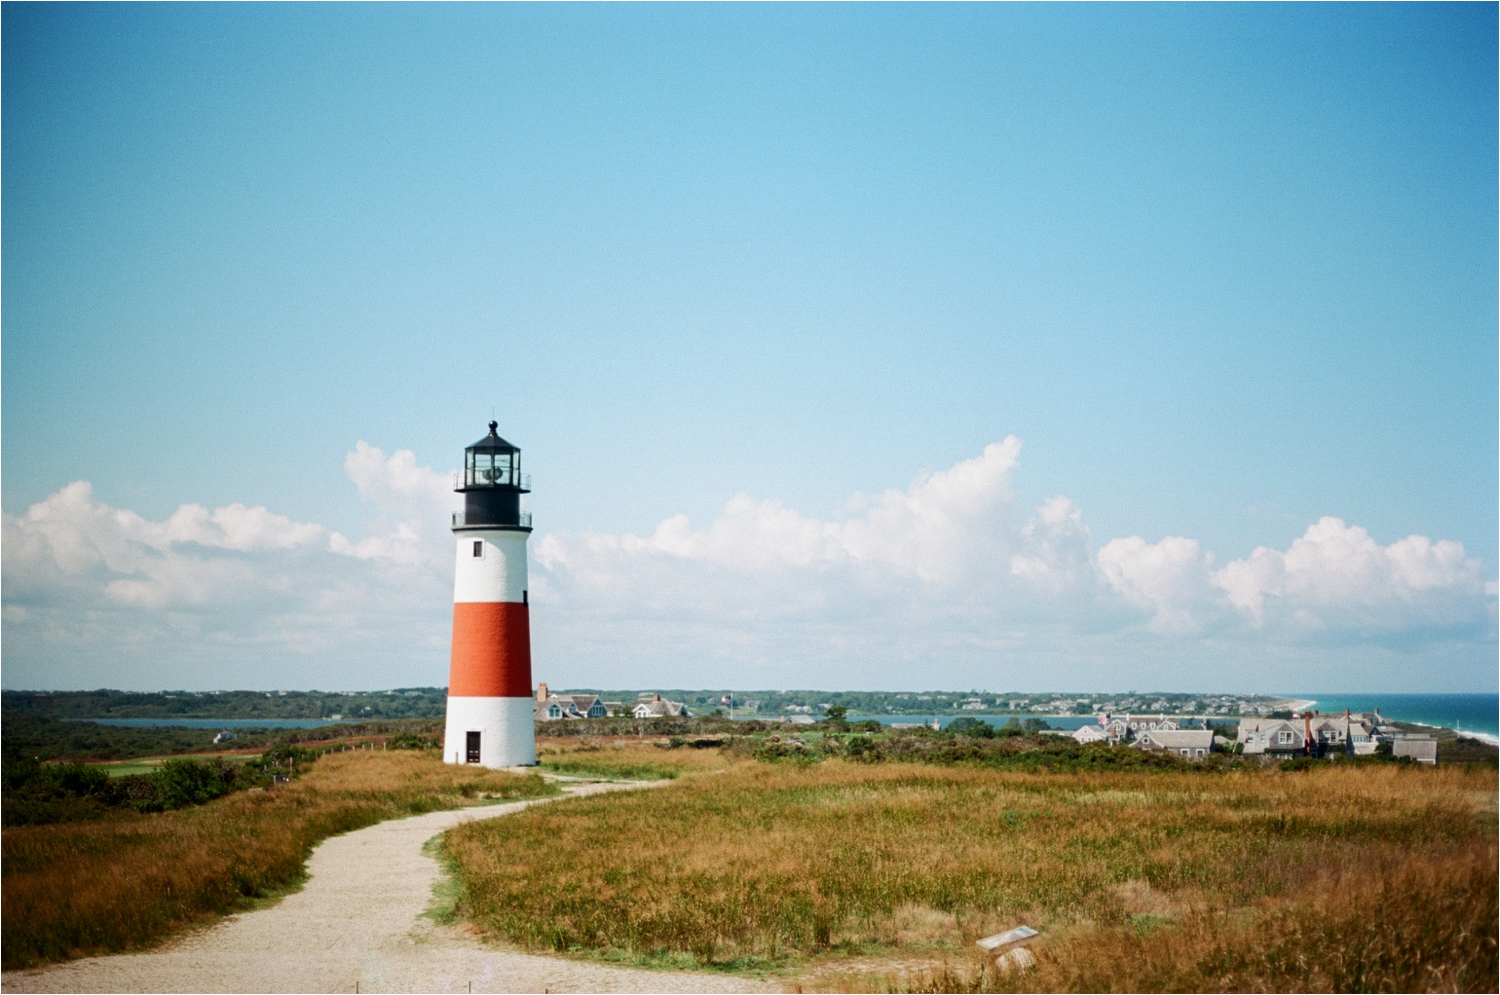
[83,888]
[624,757]
[1422,924]
[1379,877]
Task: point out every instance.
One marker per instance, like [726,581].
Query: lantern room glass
[492,469]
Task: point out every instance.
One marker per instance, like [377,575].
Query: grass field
[143,765]
[880,877]
[627,758]
[73,889]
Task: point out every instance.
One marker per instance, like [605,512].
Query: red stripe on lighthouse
[491,650]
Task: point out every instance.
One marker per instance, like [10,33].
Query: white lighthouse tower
[489,677]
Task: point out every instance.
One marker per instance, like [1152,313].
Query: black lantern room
[492,484]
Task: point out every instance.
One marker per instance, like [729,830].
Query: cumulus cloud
[925,531]
[1057,546]
[1169,578]
[412,526]
[71,541]
[950,568]
[86,584]
[1336,575]
[946,576]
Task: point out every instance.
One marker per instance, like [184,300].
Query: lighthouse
[489,676]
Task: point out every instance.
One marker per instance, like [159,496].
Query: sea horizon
[1467,712]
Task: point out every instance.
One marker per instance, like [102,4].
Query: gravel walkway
[358,922]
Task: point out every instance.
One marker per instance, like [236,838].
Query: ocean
[1478,713]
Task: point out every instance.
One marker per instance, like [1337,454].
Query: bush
[969,726]
[180,783]
[37,793]
[411,741]
[283,758]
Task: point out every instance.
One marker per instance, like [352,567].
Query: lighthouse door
[472,748]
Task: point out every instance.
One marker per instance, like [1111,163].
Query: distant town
[429,702]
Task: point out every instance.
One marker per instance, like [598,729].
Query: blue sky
[1223,271]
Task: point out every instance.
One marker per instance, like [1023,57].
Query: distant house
[1423,751]
[1353,733]
[1091,734]
[1193,744]
[225,737]
[550,707]
[658,708]
[1272,736]
[1122,728]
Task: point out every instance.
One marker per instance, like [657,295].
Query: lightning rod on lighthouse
[489,679]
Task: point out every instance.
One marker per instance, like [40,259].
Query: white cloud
[945,570]
[413,502]
[396,481]
[1057,546]
[70,540]
[925,531]
[1168,577]
[88,586]
[946,582]
[1336,574]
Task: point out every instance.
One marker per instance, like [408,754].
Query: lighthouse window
[479,548]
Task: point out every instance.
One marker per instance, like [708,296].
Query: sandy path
[358,921]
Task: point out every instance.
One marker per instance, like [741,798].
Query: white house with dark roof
[550,707]
[1191,744]
[658,708]
[1272,736]
[1355,733]
[1091,734]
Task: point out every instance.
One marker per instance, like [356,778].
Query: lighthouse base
[490,732]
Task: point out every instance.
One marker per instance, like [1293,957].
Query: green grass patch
[612,770]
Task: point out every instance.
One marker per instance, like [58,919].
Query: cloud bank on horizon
[948,583]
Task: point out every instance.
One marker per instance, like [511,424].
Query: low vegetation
[41,737]
[39,794]
[629,758]
[77,888]
[36,736]
[400,703]
[1376,876]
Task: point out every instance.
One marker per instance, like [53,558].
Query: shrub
[37,793]
[180,783]
[412,741]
